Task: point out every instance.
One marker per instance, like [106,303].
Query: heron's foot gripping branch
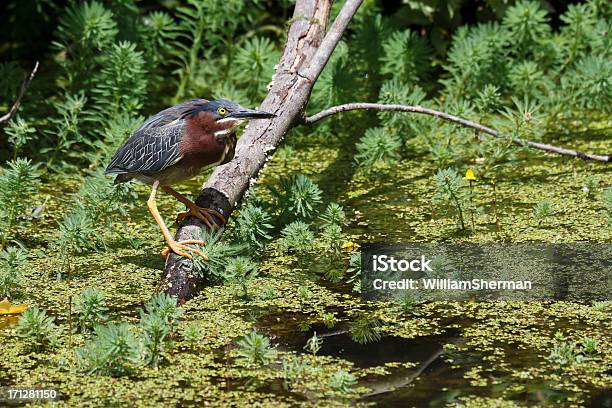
[208,216]
[181,248]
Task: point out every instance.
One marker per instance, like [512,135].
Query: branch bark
[24,86]
[309,120]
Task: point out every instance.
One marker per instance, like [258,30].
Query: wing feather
[154,146]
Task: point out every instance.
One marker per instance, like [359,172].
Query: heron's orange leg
[179,248]
[206,215]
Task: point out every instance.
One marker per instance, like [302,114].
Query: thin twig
[308,120]
[24,86]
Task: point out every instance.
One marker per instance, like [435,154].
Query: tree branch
[287,98]
[309,120]
[24,86]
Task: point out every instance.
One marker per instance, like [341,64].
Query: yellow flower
[469,175]
[351,246]
[6,308]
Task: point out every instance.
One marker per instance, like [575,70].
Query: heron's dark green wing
[154,146]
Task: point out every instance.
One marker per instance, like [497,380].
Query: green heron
[176,144]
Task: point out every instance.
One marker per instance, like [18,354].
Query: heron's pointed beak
[251,114]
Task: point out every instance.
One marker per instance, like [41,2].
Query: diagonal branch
[309,120]
[24,86]
[287,98]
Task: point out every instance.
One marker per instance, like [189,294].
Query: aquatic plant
[590,345]
[342,381]
[364,330]
[354,272]
[297,196]
[240,270]
[37,329]
[19,134]
[102,201]
[329,319]
[601,306]
[294,371]
[12,262]
[115,350]
[164,306]
[303,293]
[90,309]
[253,226]
[606,199]
[377,148]
[333,215]
[565,353]
[193,334]
[254,348]
[19,183]
[297,238]
[450,190]
[155,331]
[543,209]
[591,183]
[66,130]
[313,344]
[218,251]
[331,236]
[76,233]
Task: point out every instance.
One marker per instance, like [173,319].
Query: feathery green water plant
[102,201]
[405,57]
[155,332]
[218,251]
[591,184]
[76,234]
[240,270]
[377,148]
[90,309]
[37,329]
[297,238]
[121,84]
[590,346]
[606,199]
[19,134]
[19,183]
[342,381]
[254,65]
[164,306]
[364,329]
[193,334]
[313,344]
[85,30]
[297,196]
[66,130]
[333,215]
[254,349]
[542,210]
[253,226]
[331,236]
[527,25]
[450,190]
[329,319]
[12,263]
[354,272]
[115,350]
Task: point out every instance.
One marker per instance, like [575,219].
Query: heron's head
[227,112]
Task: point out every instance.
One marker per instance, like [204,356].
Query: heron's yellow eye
[222,111]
